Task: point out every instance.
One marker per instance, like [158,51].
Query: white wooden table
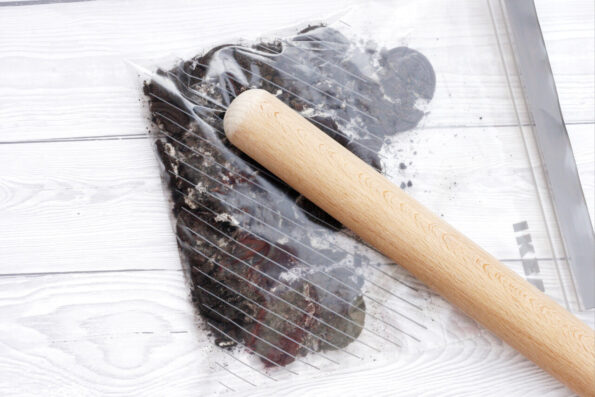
[92,297]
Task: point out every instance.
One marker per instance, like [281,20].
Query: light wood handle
[398,226]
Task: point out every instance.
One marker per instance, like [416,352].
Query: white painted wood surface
[92,298]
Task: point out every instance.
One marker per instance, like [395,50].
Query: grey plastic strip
[554,146]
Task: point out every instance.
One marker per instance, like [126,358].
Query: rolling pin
[383,215]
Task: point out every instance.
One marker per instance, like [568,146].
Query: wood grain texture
[104,200]
[366,202]
[437,372]
[63,70]
[68,206]
[81,206]
[134,333]
[102,334]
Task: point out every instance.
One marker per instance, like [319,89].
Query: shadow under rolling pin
[370,205]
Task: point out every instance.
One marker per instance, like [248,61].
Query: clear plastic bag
[257,249]
[282,288]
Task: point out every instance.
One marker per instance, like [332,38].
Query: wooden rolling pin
[398,226]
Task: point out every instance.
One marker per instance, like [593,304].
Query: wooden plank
[75,206]
[98,334]
[135,333]
[64,73]
[103,199]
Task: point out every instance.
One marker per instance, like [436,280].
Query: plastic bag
[278,282]
[257,249]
